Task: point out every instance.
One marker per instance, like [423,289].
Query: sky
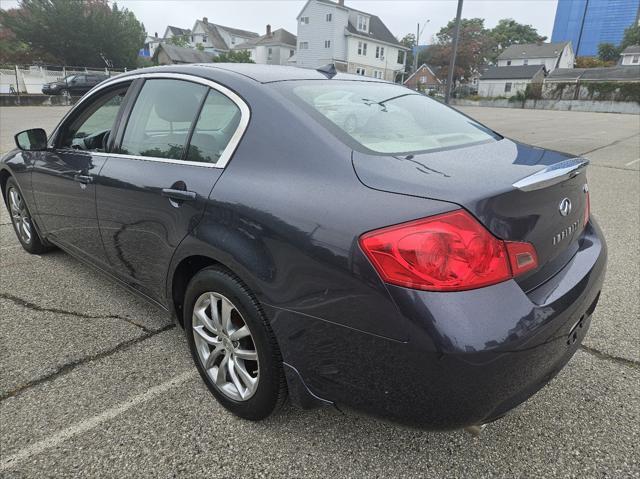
[400,16]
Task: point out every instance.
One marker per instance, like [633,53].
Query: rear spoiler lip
[552,174]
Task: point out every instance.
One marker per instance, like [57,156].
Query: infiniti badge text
[565,233]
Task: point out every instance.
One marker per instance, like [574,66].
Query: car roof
[258,73]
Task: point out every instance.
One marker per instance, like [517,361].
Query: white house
[272,48]
[355,41]
[630,55]
[509,80]
[217,38]
[172,31]
[551,55]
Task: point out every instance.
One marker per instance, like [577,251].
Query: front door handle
[85,179]
[179,195]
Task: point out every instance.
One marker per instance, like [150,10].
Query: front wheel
[22,221]
[233,345]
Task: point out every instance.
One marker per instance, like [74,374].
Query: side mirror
[32,140]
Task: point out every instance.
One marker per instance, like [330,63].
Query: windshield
[389,118]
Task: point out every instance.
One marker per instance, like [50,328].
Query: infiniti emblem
[565,207]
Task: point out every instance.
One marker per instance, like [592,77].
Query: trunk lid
[494,182]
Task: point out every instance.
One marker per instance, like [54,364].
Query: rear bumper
[471,356]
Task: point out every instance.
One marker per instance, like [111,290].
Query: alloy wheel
[225,346]
[20,216]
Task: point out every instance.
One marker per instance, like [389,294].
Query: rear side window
[385,118]
[161,119]
[218,121]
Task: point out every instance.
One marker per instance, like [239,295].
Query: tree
[631,36]
[473,48]
[509,32]
[409,41]
[590,62]
[234,56]
[607,52]
[76,32]
[179,41]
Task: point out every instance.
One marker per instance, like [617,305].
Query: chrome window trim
[245,115]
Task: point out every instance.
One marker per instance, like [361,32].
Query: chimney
[156,34]
[341,3]
[268,30]
[205,20]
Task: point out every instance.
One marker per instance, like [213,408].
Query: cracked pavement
[96,382]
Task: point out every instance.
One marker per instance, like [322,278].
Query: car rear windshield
[390,119]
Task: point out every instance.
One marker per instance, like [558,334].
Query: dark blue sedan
[330,238]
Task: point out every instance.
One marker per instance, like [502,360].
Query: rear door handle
[83,179]
[179,195]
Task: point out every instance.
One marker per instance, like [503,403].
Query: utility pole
[415,53]
[454,51]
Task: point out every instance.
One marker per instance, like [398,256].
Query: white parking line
[88,424]
[632,162]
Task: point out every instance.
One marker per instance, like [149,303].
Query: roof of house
[514,72]
[184,55]
[377,29]
[616,73]
[216,39]
[277,37]
[424,65]
[631,50]
[239,33]
[179,31]
[533,50]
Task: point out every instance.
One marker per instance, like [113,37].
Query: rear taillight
[447,252]
[587,208]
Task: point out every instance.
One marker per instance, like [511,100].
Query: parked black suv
[75,85]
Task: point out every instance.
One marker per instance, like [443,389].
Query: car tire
[224,341]
[22,221]
[65,93]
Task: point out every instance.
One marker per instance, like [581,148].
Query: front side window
[391,119]
[363,23]
[161,119]
[90,130]
[218,121]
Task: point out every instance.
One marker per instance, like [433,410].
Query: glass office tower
[588,23]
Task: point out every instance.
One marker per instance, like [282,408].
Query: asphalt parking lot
[96,382]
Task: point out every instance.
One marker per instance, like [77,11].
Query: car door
[153,192]
[63,178]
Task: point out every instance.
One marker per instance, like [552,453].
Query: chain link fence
[29,79]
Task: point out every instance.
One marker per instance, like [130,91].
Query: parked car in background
[73,85]
[414,264]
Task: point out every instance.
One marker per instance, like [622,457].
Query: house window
[327,43]
[635,59]
[508,62]
[233,40]
[380,53]
[191,38]
[291,53]
[363,23]
[269,53]
[361,71]
[304,20]
[423,79]
[377,74]
[401,57]
[362,49]
[329,17]
[304,46]
[507,87]
[526,61]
